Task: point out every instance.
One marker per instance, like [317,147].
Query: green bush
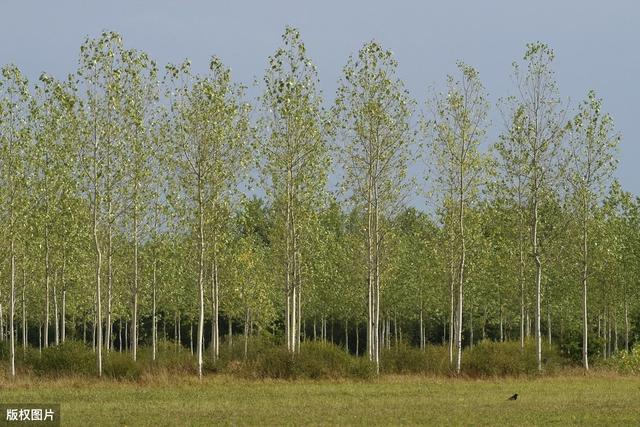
[5,350]
[315,360]
[276,362]
[362,368]
[489,358]
[624,362]
[121,366]
[571,346]
[68,358]
[256,346]
[324,360]
[174,362]
[404,359]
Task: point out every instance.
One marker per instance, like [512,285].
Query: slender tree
[536,108]
[460,124]
[373,110]
[211,132]
[294,147]
[14,139]
[592,146]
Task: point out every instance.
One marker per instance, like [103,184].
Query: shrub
[175,362]
[624,362]
[256,346]
[121,366]
[362,368]
[489,358]
[276,362]
[5,351]
[68,358]
[404,359]
[322,360]
[571,346]
[316,360]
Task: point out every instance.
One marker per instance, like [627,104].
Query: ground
[563,400]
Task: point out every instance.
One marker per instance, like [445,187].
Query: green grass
[598,399]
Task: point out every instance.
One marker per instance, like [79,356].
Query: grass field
[398,400]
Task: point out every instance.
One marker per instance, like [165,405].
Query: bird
[514,397]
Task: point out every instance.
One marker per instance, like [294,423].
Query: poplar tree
[539,120]
[138,111]
[211,131]
[294,149]
[460,124]
[373,110]
[15,136]
[100,76]
[591,163]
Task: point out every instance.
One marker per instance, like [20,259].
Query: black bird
[514,397]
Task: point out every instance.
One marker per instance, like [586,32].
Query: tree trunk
[56,323]
[98,253]
[246,333]
[461,270]
[422,346]
[154,330]
[538,279]
[25,328]
[215,315]
[200,275]
[452,304]
[46,289]
[109,278]
[134,291]
[346,335]
[585,324]
[521,271]
[626,325]
[471,329]
[63,328]
[12,304]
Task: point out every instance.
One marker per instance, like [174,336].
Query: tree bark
[585,324]
[154,323]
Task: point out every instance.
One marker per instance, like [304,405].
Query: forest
[146,206]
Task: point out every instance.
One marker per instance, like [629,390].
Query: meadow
[325,385]
[567,399]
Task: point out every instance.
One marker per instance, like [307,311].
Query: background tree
[296,162]
[14,139]
[592,146]
[211,130]
[536,113]
[460,124]
[373,111]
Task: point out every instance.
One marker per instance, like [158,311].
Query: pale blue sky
[596,42]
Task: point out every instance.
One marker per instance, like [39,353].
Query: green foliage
[69,358]
[4,350]
[571,346]
[624,362]
[404,359]
[121,366]
[324,360]
[103,180]
[497,359]
[268,359]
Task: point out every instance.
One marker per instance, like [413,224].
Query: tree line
[135,199]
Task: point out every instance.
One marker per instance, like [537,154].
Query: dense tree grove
[138,203]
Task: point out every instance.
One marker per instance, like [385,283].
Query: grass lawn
[594,400]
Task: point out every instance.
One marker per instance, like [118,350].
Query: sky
[596,43]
